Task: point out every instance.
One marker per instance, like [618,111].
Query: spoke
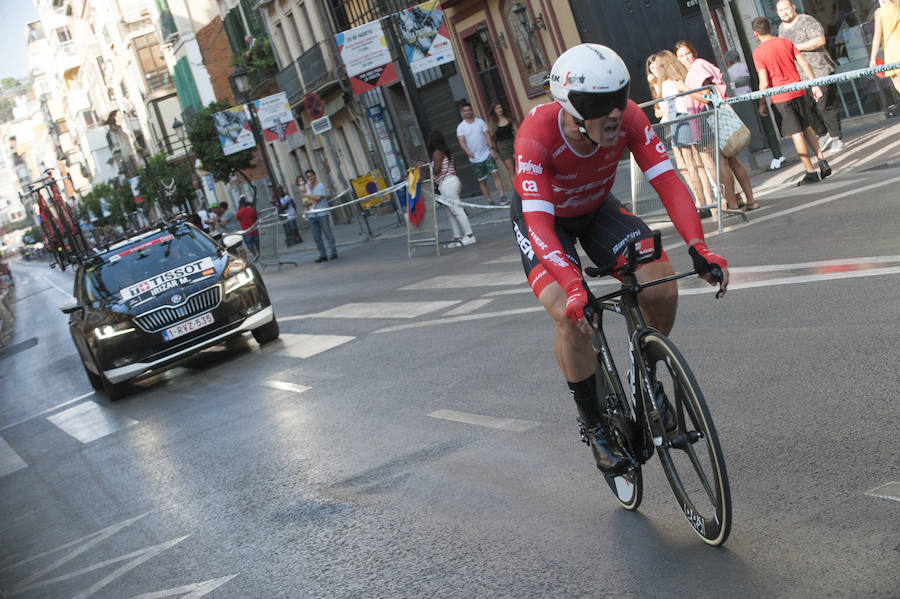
[698,468]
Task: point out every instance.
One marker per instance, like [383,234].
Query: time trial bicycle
[662,410]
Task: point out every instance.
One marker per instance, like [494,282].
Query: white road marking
[189,591]
[52,284]
[284,386]
[468,307]
[736,283]
[88,421]
[461,318]
[820,264]
[473,280]
[506,424]
[48,410]
[81,545]
[889,491]
[304,346]
[9,460]
[378,310]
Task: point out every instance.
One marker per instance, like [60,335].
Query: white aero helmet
[589,81]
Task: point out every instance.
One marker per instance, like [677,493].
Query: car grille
[160,318]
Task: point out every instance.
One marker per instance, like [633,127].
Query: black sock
[585,395]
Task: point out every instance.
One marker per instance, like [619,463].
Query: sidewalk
[862,152]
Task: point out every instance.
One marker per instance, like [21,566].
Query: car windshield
[146,259]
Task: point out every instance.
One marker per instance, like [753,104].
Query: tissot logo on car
[171,278]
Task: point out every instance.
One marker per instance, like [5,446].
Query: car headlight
[112,330]
[234,267]
[239,280]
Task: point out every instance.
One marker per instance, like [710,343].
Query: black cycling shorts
[603,235]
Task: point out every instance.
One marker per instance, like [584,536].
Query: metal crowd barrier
[646,203]
[426,233]
[271,238]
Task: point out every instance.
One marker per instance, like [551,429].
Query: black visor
[593,105]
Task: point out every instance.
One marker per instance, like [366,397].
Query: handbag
[734,136]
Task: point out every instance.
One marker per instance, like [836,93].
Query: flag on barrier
[414,197]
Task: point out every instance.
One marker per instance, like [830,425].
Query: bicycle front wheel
[691,457]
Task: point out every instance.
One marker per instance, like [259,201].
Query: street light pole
[179,128]
[240,86]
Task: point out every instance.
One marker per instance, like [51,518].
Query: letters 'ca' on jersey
[574,184]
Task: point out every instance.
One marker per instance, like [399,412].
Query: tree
[162,173]
[205,141]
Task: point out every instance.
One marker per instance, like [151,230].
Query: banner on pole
[275,117]
[233,126]
[366,56]
[425,38]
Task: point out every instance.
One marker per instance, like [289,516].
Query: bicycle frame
[624,302]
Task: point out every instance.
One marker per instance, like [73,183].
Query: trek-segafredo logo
[170,278]
[526,166]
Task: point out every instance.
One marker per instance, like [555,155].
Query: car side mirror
[70,305]
[232,242]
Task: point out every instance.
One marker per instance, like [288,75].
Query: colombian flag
[414,197]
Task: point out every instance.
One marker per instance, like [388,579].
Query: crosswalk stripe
[506,424]
[88,421]
[468,307]
[9,460]
[305,346]
[378,310]
[487,279]
[284,386]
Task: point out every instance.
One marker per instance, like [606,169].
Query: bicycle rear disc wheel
[627,488]
[693,460]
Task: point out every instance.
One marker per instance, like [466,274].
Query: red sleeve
[533,183]
[650,154]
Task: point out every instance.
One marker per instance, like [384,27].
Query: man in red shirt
[774,59]
[567,152]
[246,215]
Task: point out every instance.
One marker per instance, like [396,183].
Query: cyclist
[567,152]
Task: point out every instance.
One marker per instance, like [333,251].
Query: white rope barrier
[826,80]
[451,202]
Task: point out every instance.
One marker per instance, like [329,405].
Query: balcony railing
[167,26]
[314,69]
[289,83]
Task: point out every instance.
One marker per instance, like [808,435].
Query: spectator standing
[738,73]
[809,36]
[317,198]
[288,211]
[475,139]
[212,220]
[775,62]
[246,215]
[666,77]
[887,32]
[448,186]
[503,135]
[701,72]
[227,223]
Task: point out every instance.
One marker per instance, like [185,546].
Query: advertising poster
[365,54]
[233,125]
[275,117]
[424,35]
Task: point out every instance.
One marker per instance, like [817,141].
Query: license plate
[188,327]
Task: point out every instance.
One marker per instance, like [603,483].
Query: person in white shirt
[288,212]
[475,139]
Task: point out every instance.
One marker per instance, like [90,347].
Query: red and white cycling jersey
[554,180]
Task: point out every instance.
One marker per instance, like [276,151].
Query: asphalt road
[325,465]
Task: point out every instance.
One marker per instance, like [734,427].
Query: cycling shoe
[608,461]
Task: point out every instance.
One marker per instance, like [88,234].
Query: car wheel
[267,332]
[115,391]
[95,379]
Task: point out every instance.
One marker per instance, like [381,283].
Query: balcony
[289,83]
[167,28]
[314,70]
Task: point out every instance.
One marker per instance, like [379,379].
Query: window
[297,39]
[486,67]
[63,35]
[89,118]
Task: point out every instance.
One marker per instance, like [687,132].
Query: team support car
[160,296]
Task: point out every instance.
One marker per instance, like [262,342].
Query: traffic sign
[320,126]
[314,106]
